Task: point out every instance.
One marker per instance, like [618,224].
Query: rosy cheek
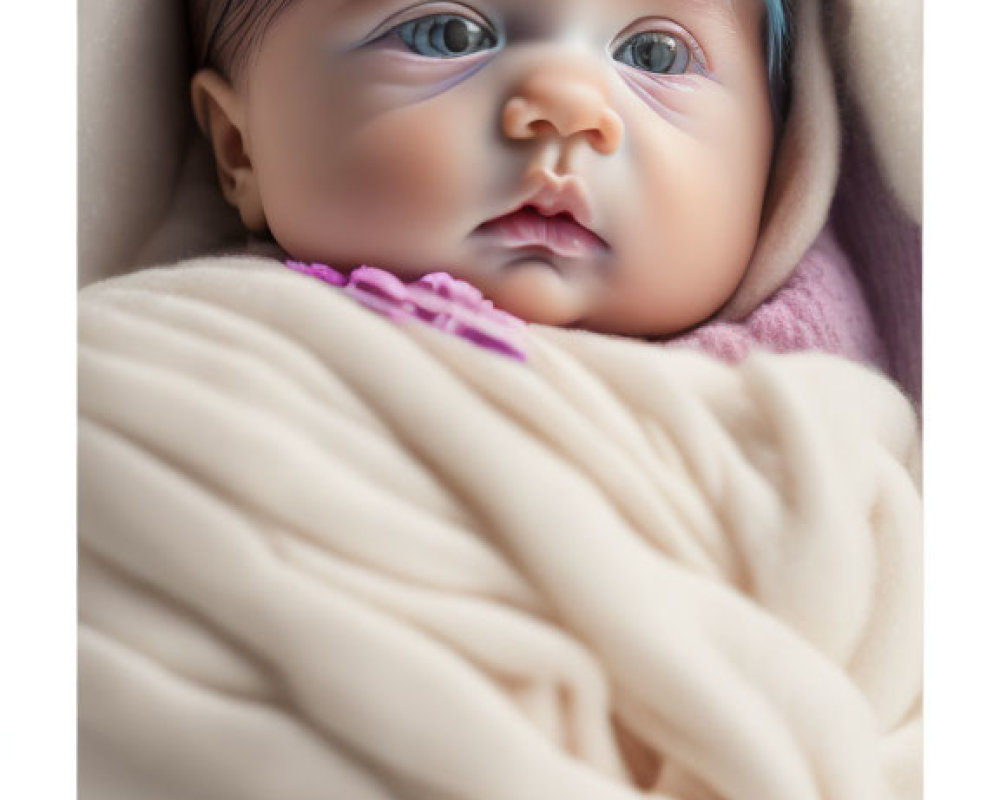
[690,233]
[411,161]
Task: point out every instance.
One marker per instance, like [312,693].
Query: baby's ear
[220,114]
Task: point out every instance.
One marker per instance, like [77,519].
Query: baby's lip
[555,214]
[530,226]
[561,194]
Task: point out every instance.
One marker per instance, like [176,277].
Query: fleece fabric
[419,569]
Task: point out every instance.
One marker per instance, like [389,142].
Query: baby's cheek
[395,190]
[410,168]
[691,234]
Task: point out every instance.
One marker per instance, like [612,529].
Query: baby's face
[595,163]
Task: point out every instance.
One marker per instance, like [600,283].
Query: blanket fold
[415,569]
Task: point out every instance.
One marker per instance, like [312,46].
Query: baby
[589,163]
[325,556]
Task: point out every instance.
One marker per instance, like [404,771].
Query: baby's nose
[563,101]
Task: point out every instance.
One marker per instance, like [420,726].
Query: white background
[962,399]
[37,399]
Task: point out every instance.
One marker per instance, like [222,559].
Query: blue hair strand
[777,34]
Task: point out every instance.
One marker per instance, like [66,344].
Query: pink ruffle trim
[437,299]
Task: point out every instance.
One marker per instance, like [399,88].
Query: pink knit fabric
[820,307]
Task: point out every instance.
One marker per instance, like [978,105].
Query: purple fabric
[885,248]
[321,271]
[437,299]
[820,307]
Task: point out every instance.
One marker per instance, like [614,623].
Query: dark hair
[224,33]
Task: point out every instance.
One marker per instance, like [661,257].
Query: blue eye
[656,52]
[446,36]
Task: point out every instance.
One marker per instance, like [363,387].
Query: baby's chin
[539,293]
[536,291]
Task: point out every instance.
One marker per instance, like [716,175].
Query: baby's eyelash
[657,42]
[424,10]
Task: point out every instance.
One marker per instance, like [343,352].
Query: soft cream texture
[298,581]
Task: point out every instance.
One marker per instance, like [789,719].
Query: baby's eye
[446,36]
[655,51]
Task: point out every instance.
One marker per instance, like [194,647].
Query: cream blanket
[326,556]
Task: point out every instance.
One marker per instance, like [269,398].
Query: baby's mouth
[528,227]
